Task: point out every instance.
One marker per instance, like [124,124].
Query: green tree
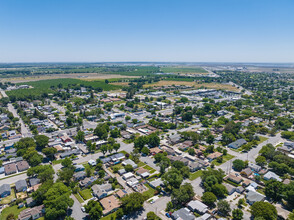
[238,165]
[152,216]
[261,161]
[182,195]
[116,146]
[274,189]
[237,214]
[129,168]
[41,141]
[80,136]
[145,150]
[264,210]
[132,202]
[173,178]
[103,149]
[43,172]
[49,152]
[57,201]
[223,207]
[209,198]
[210,139]
[66,162]
[94,209]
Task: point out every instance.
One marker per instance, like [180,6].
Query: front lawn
[13,209]
[86,194]
[79,198]
[109,217]
[225,159]
[150,192]
[195,175]
[261,139]
[7,200]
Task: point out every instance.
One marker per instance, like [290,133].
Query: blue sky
[146,30]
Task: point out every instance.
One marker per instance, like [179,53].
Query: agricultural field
[46,86]
[83,76]
[196,85]
[183,70]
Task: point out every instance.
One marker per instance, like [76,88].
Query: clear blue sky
[147,30]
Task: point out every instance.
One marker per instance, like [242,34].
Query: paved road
[24,130]
[75,211]
[156,207]
[250,155]
[13,179]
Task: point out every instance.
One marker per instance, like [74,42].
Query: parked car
[83,209]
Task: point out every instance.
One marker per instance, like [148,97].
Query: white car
[83,209]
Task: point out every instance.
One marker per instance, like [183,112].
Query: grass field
[183,70]
[13,209]
[195,175]
[262,139]
[109,217]
[86,194]
[79,198]
[44,86]
[225,159]
[196,85]
[7,199]
[150,192]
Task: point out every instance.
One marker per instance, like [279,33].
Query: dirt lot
[195,85]
[84,76]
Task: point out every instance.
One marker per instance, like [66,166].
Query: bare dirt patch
[196,85]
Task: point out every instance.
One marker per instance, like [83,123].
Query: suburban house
[5,190]
[101,191]
[238,143]
[183,213]
[234,178]
[246,172]
[110,204]
[253,196]
[22,165]
[79,175]
[10,168]
[87,181]
[32,213]
[214,155]
[21,186]
[271,175]
[130,162]
[197,206]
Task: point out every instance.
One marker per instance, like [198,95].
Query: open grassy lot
[225,159]
[262,139]
[86,194]
[109,217]
[196,85]
[195,175]
[13,209]
[7,200]
[150,192]
[79,198]
[45,86]
[151,170]
[183,70]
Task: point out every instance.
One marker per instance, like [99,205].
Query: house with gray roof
[253,196]
[129,161]
[34,181]
[271,175]
[197,206]
[5,190]
[183,213]
[21,186]
[79,175]
[238,143]
[101,191]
